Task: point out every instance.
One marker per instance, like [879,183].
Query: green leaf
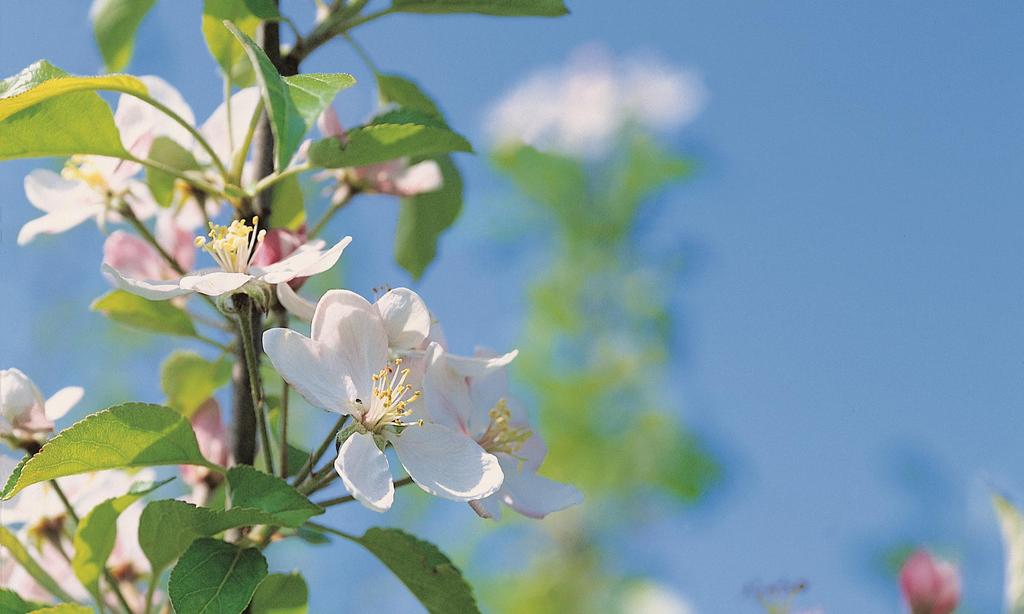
[501,8]
[293,103]
[252,488]
[12,603]
[556,181]
[22,556]
[170,153]
[189,380]
[398,90]
[380,142]
[120,437]
[215,577]
[281,593]
[94,538]
[46,112]
[297,457]
[115,22]
[168,527]
[287,208]
[1012,524]
[422,219]
[424,569]
[151,316]
[226,51]
[64,608]
[264,9]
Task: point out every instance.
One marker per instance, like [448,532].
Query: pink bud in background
[278,244]
[929,585]
[213,443]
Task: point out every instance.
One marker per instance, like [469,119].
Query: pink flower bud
[133,256]
[213,443]
[278,244]
[929,585]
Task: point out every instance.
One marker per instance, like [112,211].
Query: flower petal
[488,507]
[446,393]
[57,221]
[446,463]
[418,179]
[49,191]
[295,304]
[309,367]
[214,283]
[133,256]
[532,495]
[352,331]
[406,318]
[215,129]
[475,366]
[304,262]
[139,122]
[364,470]
[61,402]
[154,290]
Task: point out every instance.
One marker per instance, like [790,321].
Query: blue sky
[851,314]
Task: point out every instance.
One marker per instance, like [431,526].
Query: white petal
[532,495]
[474,366]
[353,331]
[139,122]
[446,393]
[303,262]
[328,123]
[419,178]
[364,470]
[57,221]
[295,304]
[61,402]
[309,367]
[406,318]
[446,463]
[215,283]
[154,290]
[487,389]
[215,129]
[48,191]
[488,507]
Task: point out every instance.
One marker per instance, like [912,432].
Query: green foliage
[555,181]
[96,533]
[251,488]
[311,93]
[151,316]
[287,208]
[22,556]
[388,138]
[115,23]
[502,8]
[424,569]
[12,603]
[216,577]
[406,94]
[189,380]
[281,593]
[64,608]
[1012,524]
[422,219]
[120,437]
[168,152]
[226,51]
[44,111]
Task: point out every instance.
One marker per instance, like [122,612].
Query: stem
[160,166]
[315,457]
[238,164]
[358,21]
[212,342]
[320,527]
[282,320]
[275,178]
[245,311]
[348,498]
[227,109]
[329,214]
[150,592]
[159,106]
[361,52]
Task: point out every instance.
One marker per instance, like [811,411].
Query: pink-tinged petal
[305,262]
[215,283]
[49,191]
[446,393]
[364,471]
[57,221]
[295,304]
[531,495]
[446,463]
[488,507]
[472,366]
[418,179]
[329,125]
[406,318]
[154,290]
[309,367]
[215,129]
[278,244]
[351,330]
[21,404]
[177,239]
[211,433]
[929,585]
[61,402]
[133,256]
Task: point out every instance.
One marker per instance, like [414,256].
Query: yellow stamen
[234,246]
[500,435]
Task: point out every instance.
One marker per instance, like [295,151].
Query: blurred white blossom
[580,107]
[654,598]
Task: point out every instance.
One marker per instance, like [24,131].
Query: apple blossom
[474,400]
[930,585]
[25,416]
[345,367]
[134,257]
[97,186]
[213,443]
[395,177]
[233,248]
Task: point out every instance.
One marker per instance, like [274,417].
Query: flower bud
[929,585]
[213,443]
[25,416]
